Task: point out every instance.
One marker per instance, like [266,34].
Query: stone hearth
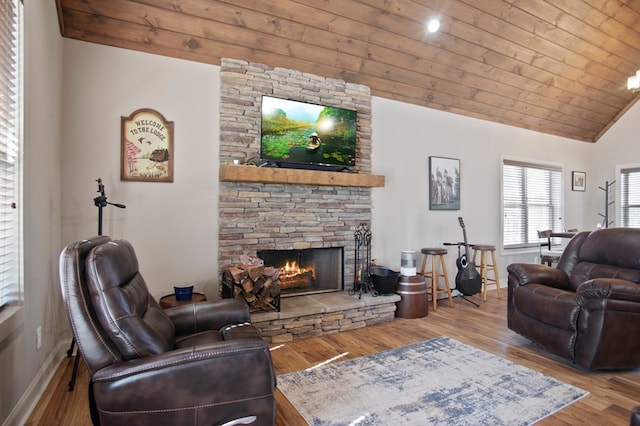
[314,315]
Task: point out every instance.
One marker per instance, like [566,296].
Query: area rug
[436,382]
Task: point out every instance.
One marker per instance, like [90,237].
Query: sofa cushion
[549,305]
[586,270]
[612,246]
[130,316]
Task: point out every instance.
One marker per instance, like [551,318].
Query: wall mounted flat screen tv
[300,134]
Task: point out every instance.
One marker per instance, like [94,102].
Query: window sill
[519,251]
[11,318]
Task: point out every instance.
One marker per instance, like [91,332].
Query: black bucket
[385,281]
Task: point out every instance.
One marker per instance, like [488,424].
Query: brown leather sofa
[196,364]
[587,308]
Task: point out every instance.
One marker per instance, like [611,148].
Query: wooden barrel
[414,302]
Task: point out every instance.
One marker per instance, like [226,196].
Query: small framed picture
[444,183]
[578,181]
[146,147]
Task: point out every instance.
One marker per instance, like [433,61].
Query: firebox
[305,271]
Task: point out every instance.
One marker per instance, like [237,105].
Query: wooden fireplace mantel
[232,173]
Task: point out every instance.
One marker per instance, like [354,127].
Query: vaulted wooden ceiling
[554,66]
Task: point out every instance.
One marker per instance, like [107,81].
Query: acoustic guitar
[468,281]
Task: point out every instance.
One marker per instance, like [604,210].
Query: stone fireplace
[259,216]
[263,210]
[307,271]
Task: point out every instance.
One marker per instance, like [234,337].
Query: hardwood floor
[611,394]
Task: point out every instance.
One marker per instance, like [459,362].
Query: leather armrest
[224,371]
[533,273]
[214,315]
[608,288]
[188,357]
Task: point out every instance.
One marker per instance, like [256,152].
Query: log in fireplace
[306,271]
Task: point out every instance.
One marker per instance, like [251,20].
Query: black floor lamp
[100,202]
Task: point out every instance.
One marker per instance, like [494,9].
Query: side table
[414,302]
[169,301]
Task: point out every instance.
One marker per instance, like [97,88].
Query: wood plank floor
[612,394]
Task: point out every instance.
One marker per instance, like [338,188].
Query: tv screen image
[305,133]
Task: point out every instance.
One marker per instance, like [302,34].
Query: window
[10,151]
[630,197]
[531,202]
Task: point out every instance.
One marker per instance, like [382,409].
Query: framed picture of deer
[444,183]
[146,147]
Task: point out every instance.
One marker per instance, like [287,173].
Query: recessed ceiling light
[433,25]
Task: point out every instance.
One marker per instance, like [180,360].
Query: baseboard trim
[21,412]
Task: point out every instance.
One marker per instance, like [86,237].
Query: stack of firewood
[257,284]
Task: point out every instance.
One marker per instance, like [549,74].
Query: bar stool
[433,275]
[484,267]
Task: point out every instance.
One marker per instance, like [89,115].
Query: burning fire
[291,269]
[292,275]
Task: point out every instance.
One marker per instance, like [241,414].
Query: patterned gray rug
[436,382]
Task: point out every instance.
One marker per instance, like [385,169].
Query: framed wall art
[578,181]
[146,147]
[444,183]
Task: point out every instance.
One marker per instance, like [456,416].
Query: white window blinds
[531,197]
[630,194]
[10,160]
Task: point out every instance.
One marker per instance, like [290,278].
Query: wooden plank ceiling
[554,66]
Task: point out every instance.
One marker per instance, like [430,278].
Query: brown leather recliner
[196,364]
[587,308]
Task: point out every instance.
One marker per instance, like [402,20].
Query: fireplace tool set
[362,274]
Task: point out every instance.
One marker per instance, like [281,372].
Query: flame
[291,269]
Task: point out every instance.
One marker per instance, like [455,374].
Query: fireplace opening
[305,271]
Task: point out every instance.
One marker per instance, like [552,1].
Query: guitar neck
[464,234]
[466,244]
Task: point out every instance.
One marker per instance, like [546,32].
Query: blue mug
[183,291]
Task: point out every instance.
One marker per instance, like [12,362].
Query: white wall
[25,371]
[619,147]
[405,136]
[172,226]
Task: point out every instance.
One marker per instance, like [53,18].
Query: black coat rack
[607,204]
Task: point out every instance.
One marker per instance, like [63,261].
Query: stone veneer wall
[255,216]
